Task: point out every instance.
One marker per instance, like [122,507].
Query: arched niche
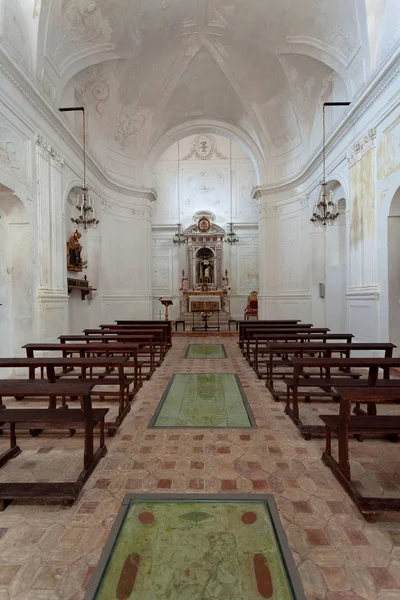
[335,264]
[16,275]
[394,269]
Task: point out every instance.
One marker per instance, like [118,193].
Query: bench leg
[328,447]
[102,439]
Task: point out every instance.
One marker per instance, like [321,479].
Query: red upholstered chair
[251,309]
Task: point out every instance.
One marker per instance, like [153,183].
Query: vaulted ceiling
[145,68]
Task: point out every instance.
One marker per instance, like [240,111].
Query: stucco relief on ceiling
[172,62]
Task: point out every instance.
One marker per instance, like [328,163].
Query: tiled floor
[49,552]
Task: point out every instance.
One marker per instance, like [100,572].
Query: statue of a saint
[206,270]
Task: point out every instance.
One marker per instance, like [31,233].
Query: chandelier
[179,238]
[86,218]
[325,209]
[231,237]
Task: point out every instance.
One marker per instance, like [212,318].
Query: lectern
[166,303]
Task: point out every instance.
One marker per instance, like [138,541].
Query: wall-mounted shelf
[85,290]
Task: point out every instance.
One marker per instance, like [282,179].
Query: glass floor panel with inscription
[206,351]
[203,400]
[192,548]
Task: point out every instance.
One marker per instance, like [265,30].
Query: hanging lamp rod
[80,108]
[323,144]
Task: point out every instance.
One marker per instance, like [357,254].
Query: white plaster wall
[204,185]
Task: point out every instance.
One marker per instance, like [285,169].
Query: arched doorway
[335,268]
[16,275]
[394,270]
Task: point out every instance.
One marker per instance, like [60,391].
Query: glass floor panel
[203,400]
[196,548]
[206,351]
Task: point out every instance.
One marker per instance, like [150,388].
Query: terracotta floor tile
[7,573]
[168,465]
[164,484]
[383,578]
[259,484]
[302,507]
[228,484]
[357,538]
[317,537]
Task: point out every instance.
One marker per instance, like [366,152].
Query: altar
[210,302]
[205,286]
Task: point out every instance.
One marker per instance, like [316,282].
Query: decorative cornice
[30,88]
[361,147]
[51,151]
[367,95]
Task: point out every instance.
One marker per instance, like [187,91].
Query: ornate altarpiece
[205,278]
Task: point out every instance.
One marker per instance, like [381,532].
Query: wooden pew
[330,384]
[343,425]
[260,349]
[244,325]
[137,323]
[87,418]
[325,349]
[86,365]
[159,336]
[84,350]
[151,349]
[250,336]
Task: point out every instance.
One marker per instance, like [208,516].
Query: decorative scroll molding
[204,147]
[361,147]
[13,151]
[50,150]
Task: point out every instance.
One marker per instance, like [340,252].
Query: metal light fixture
[325,210]
[231,237]
[86,218]
[179,238]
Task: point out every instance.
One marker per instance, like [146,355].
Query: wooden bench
[137,323]
[329,387]
[280,354]
[242,325]
[250,336]
[66,418]
[158,336]
[343,424]
[150,349]
[259,351]
[85,367]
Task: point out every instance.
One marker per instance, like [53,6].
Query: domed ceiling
[145,68]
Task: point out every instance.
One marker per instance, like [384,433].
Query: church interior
[199,300]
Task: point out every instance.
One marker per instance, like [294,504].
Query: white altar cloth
[204,298]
